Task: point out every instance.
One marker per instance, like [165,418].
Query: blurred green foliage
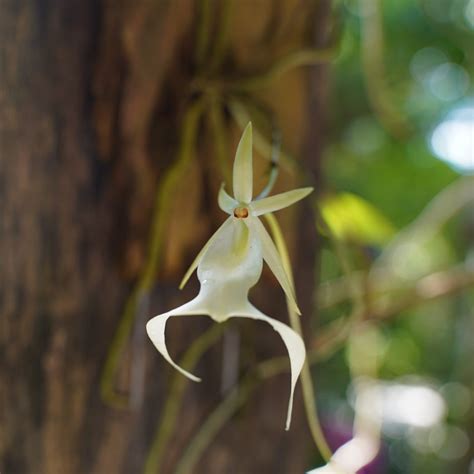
[351,218]
[378,183]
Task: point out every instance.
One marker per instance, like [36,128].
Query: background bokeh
[401,133]
[118,124]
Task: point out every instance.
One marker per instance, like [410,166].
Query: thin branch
[432,287]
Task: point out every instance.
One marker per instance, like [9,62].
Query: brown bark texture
[93,96]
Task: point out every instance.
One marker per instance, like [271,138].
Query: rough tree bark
[92,97]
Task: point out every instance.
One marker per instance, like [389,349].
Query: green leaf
[352,218]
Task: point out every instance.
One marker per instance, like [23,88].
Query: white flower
[231,263]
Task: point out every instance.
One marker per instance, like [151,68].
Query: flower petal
[329,468]
[294,345]
[200,255]
[231,266]
[243,175]
[240,239]
[156,331]
[271,256]
[243,309]
[226,202]
[278,201]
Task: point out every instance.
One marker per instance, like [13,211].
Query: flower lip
[241,212]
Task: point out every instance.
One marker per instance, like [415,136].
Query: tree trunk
[93,98]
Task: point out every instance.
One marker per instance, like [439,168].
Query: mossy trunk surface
[93,95]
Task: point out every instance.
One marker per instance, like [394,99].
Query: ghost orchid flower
[231,262]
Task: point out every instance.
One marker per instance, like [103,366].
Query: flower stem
[307,383]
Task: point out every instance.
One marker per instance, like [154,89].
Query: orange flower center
[241,212]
